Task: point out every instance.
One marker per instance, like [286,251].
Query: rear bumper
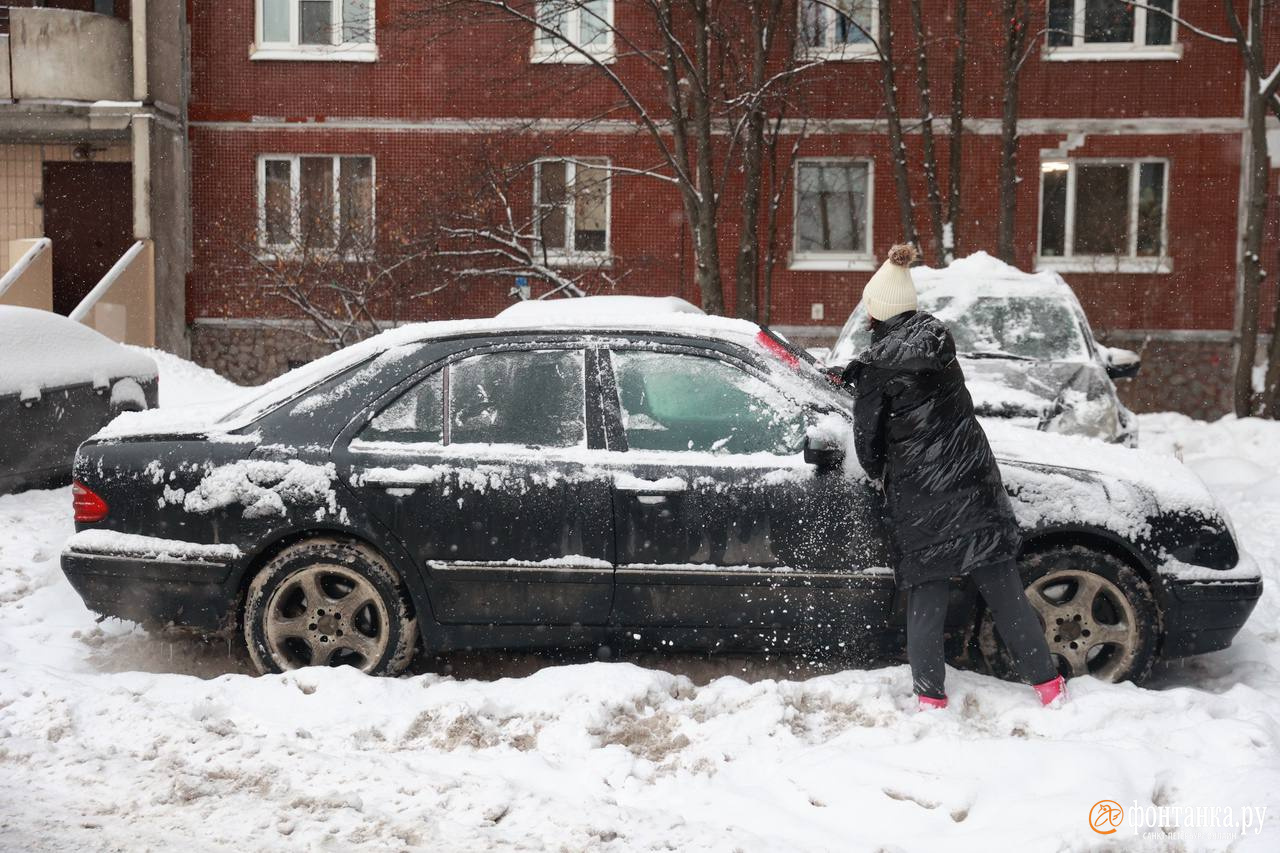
[153,591]
[1205,616]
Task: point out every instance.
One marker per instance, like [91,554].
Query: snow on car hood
[1057,477]
[40,349]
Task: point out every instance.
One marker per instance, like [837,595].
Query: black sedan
[490,484]
[60,382]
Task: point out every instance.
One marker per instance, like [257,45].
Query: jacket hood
[914,341]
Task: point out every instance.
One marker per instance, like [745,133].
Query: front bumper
[153,591]
[1203,613]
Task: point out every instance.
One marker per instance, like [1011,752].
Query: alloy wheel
[1089,623]
[326,615]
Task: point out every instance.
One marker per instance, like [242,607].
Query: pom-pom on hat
[890,291]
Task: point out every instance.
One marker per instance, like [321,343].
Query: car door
[477,466]
[720,522]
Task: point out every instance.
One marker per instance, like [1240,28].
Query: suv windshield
[1041,328]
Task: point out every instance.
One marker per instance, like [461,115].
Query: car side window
[416,416]
[679,401]
[534,398]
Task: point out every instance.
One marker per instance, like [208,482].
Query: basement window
[1104,216]
[333,30]
[573,32]
[316,206]
[1108,29]
[571,210]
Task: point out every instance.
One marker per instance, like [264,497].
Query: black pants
[1015,619]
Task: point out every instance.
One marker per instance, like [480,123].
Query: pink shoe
[1053,691]
[928,703]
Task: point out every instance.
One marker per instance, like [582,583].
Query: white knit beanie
[891,291]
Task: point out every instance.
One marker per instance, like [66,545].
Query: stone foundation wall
[1188,376]
[1192,376]
[249,354]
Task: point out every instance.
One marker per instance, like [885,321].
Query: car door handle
[641,486]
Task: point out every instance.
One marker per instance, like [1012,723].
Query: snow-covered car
[680,483]
[1025,345]
[60,382]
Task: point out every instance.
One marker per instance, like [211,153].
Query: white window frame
[261,49]
[551,51]
[833,261]
[1081,50]
[571,256]
[1131,262]
[838,52]
[295,205]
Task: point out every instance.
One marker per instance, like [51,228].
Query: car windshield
[1040,328]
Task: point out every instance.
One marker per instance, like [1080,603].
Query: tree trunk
[926,130]
[748,263]
[1015,16]
[706,232]
[1255,223]
[906,209]
[951,236]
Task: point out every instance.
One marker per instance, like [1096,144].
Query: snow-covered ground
[110,739]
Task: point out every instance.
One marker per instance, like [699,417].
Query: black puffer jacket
[916,429]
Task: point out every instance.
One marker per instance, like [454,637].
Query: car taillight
[88,506]
[767,341]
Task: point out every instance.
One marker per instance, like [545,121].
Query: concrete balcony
[64,55]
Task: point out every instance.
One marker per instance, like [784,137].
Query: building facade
[94,205]
[323,130]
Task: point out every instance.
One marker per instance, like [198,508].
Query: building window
[1104,215]
[1108,29]
[571,206]
[320,203]
[839,29]
[573,31]
[833,215]
[315,29]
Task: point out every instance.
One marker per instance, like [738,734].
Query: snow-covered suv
[1025,345]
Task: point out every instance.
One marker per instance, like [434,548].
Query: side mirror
[1121,363]
[823,452]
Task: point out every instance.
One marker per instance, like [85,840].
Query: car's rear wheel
[1099,616]
[327,602]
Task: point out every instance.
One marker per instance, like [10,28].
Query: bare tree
[1017,18]
[1247,35]
[317,255]
[936,228]
[955,168]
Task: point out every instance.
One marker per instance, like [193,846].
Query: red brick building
[1130,163]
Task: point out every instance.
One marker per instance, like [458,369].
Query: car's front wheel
[1099,616]
[328,602]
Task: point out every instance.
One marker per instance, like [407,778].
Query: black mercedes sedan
[606,482]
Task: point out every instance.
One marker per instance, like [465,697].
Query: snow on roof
[598,308]
[980,274]
[40,349]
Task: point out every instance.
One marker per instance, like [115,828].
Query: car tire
[1099,615]
[329,602]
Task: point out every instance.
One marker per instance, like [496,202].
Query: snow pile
[40,349]
[185,383]
[262,487]
[112,739]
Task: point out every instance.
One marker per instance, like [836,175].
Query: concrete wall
[33,288]
[127,311]
[55,53]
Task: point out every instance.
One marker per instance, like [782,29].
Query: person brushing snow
[917,434]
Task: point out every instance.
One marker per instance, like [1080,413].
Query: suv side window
[678,401]
[533,398]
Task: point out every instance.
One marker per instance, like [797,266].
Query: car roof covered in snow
[598,308]
[980,274]
[40,349]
